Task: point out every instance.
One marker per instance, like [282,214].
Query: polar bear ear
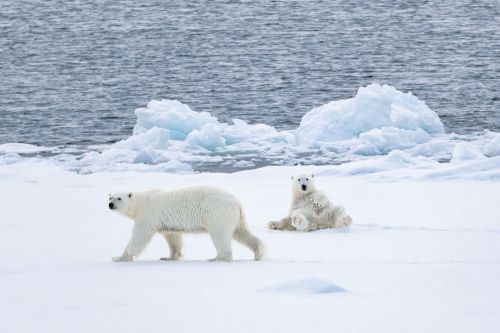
[130,195]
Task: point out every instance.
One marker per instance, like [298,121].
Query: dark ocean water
[72,72]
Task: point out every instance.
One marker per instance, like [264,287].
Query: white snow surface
[306,285]
[422,255]
[23,148]
[171,137]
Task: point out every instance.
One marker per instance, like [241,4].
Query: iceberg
[373,107]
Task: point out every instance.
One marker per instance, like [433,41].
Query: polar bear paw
[318,206]
[344,222]
[222,258]
[274,225]
[299,222]
[122,259]
[174,257]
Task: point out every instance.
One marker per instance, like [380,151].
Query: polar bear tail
[243,235]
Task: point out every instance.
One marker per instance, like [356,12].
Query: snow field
[421,256]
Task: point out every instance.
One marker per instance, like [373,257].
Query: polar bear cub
[190,210]
[310,210]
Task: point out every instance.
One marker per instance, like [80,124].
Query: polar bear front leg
[141,235]
[320,202]
[299,221]
[174,240]
[319,205]
[279,225]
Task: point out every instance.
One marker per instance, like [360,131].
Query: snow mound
[373,107]
[381,141]
[305,286]
[199,131]
[175,117]
[465,151]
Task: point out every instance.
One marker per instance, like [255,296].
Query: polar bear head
[303,184]
[120,202]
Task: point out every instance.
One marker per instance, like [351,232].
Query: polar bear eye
[307,178]
[119,198]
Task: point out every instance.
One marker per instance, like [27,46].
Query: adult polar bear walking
[310,210]
[196,209]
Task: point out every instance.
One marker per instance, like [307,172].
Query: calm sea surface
[72,72]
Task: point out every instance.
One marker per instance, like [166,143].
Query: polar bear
[196,209]
[310,210]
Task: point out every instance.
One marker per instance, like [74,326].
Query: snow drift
[376,114]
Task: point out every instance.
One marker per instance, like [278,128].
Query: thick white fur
[190,210]
[310,209]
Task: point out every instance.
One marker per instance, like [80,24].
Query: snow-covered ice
[422,256]
[169,136]
[373,107]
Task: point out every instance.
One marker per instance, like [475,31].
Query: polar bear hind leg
[335,217]
[174,240]
[343,222]
[222,242]
[224,221]
[244,236]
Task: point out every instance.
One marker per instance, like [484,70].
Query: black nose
[111,205]
[304,187]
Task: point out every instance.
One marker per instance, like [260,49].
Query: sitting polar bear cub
[311,210]
[196,209]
